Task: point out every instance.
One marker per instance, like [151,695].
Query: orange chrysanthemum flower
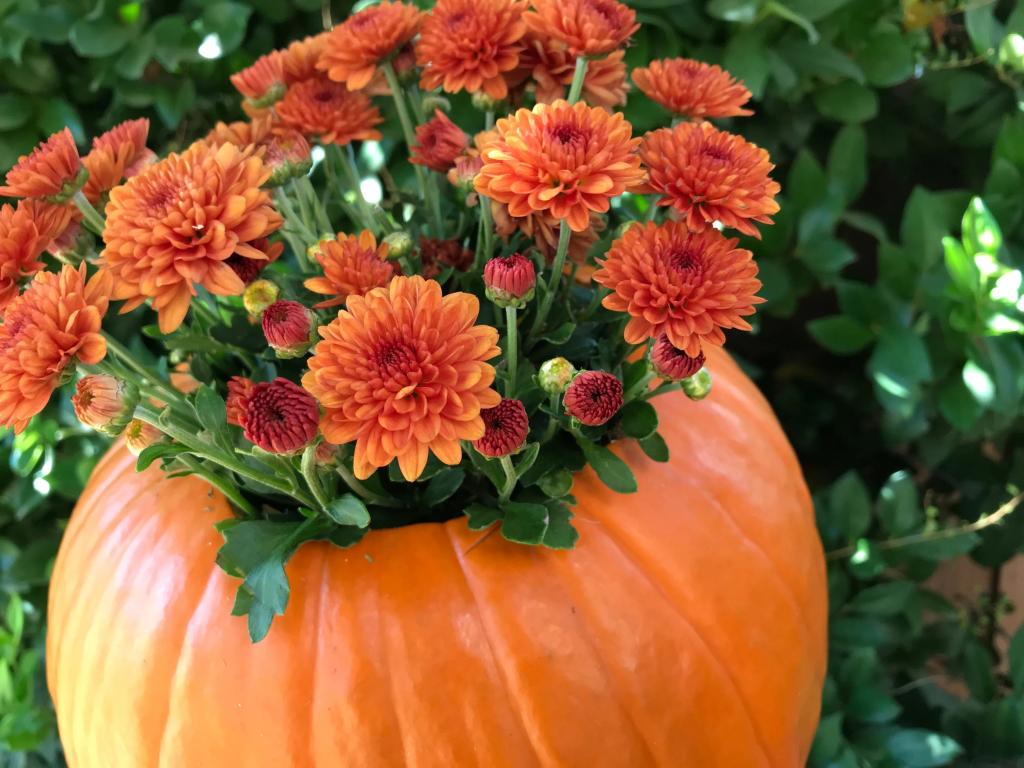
[300,58]
[565,159]
[685,285]
[25,233]
[544,229]
[710,175]
[693,88]
[118,154]
[52,171]
[241,133]
[352,266]
[587,27]
[177,223]
[329,112]
[262,82]
[403,372]
[355,48]
[439,142]
[468,45]
[551,67]
[53,324]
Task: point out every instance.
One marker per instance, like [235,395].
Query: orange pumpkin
[686,629]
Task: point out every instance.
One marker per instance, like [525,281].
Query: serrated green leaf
[480,516]
[560,533]
[348,509]
[840,334]
[524,523]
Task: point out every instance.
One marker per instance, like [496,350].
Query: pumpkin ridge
[313,659]
[528,733]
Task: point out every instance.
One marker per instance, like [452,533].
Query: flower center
[682,260]
[718,154]
[394,356]
[567,133]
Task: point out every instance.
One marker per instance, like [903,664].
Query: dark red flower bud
[672,363]
[281,417]
[505,428]
[510,280]
[593,397]
[290,328]
[239,389]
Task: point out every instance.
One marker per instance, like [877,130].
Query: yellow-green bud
[483,102]
[399,244]
[555,374]
[698,386]
[259,295]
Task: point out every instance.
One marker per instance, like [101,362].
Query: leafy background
[890,345]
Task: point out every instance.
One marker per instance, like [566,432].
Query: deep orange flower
[262,82]
[241,133]
[52,171]
[403,371]
[53,324]
[352,266]
[693,88]
[26,231]
[355,47]
[118,154]
[300,58]
[439,142]
[685,285]
[239,390]
[329,112]
[551,67]
[177,223]
[587,27]
[565,159]
[468,45]
[710,175]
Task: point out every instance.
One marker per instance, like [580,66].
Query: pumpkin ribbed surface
[686,629]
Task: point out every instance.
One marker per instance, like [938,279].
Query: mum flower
[672,363]
[468,45]
[52,171]
[105,403]
[693,88]
[299,60]
[587,27]
[551,67]
[118,154]
[567,160]
[506,426]
[241,133]
[685,285]
[710,175]
[439,142]
[175,225]
[510,280]
[355,47]
[249,269]
[47,329]
[239,389]
[262,82]
[139,435]
[289,327]
[280,416]
[26,231]
[403,372]
[352,265]
[329,112]
[593,397]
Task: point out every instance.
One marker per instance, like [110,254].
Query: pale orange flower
[26,232]
[242,133]
[139,435]
[567,160]
[300,58]
[52,171]
[587,27]
[355,47]
[177,223]
[262,82]
[468,45]
[48,328]
[403,372]
[329,112]
[551,67]
[685,285]
[439,142]
[352,266]
[116,155]
[693,88]
[710,175]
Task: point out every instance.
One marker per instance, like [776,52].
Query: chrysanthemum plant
[333,364]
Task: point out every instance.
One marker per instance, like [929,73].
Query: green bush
[890,345]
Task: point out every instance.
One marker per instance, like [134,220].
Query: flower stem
[92,217]
[484,236]
[361,490]
[309,473]
[552,426]
[222,484]
[510,479]
[320,218]
[347,162]
[511,350]
[576,89]
[166,391]
[564,234]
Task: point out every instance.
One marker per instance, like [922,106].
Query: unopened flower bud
[462,174]
[290,328]
[326,454]
[505,428]
[671,363]
[593,397]
[399,244]
[316,248]
[698,386]
[483,102]
[288,156]
[281,417]
[139,435]
[510,280]
[259,295]
[105,403]
[555,374]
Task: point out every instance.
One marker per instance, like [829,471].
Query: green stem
[310,473]
[295,222]
[165,390]
[92,217]
[564,235]
[488,119]
[361,490]
[511,350]
[510,479]
[552,427]
[319,213]
[225,486]
[484,235]
[576,89]
[348,167]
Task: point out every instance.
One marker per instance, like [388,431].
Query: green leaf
[50,24]
[978,664]
[850,505]
[480,516]
[734,10]
[913,748]
[957,405]
[610,469]
[99,38]
[524,523]
[899,364]
[887,59]
[556,484]
[828,739]
[55,114]
[981,232]
[156,451]
[560,533]
[806,182]
[939,549]
[899,507]
[887,599]
[226,20]
[655,447]
[813,10]
[270,591]
[923,225]
[211,411]
[826,256]
[847,102]
[840,334]
[559,335]
[983,28]
[638,419]
[747,59]
[174,42]
[491,468]
[961,267]
[848,161]
[349,509]
[1016,660]
[131,64]
[442,486]
[527,458]
[870,704]
[15,110]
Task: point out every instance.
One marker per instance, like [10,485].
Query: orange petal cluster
[352,265]
[403,371]
[241,133]
[567,160]
[710,175]
[263,80]
[176,224]
[685,285]
[551,67]
[26,231]
[118,154]
[693,88]
[48,171]
[46,329]
[468,45]
[355,47]
[544,231]
[439,142]
[586,27]
[329,112]
[299,60]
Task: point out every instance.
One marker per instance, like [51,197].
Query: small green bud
[259,295]
[698,386]
[555,374]
[399,244]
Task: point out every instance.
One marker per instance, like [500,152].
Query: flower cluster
[417,317]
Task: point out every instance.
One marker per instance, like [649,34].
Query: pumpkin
[686,629]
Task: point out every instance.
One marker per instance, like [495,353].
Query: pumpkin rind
[686,628]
